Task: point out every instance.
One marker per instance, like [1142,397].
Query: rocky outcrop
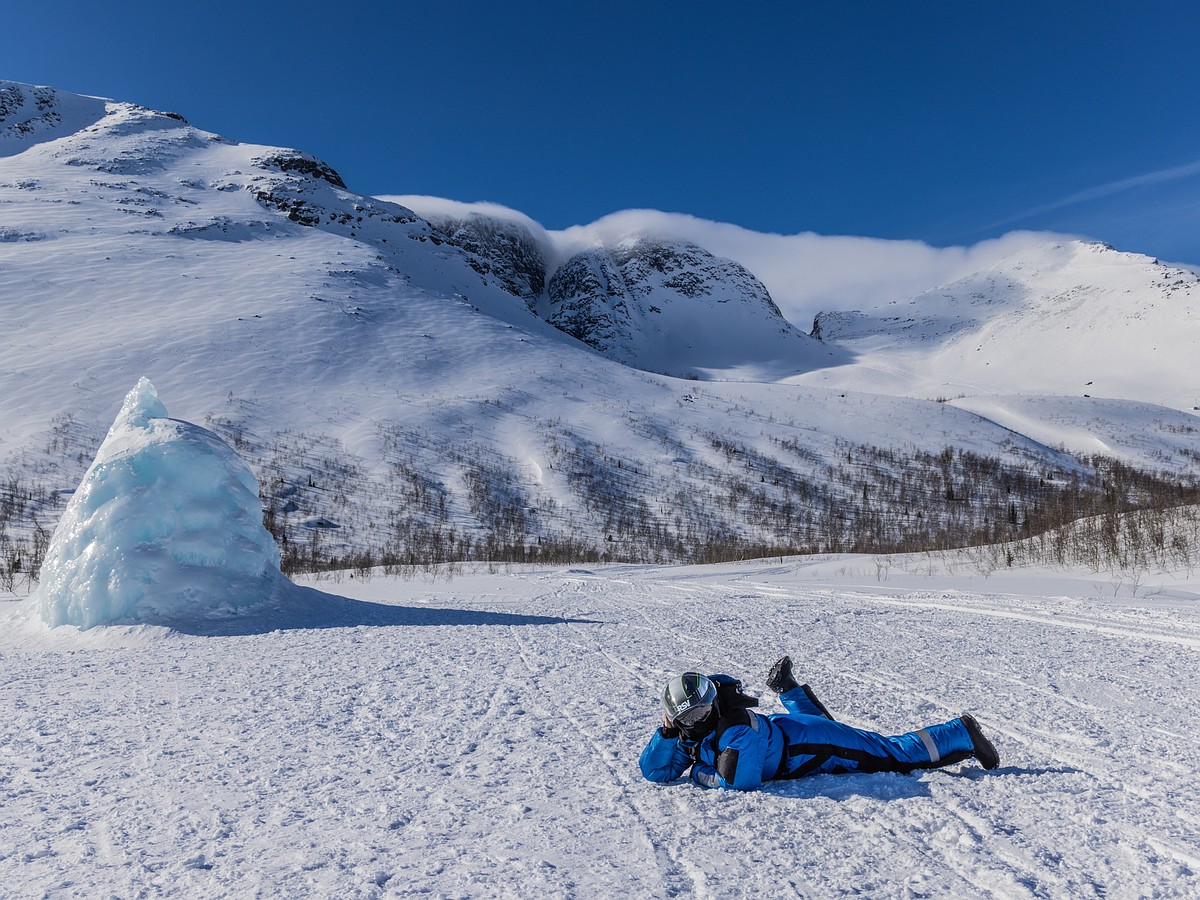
[305,189]
[837,326]
[303,164]
[29,114]
[590,301]
[669,306]
[504,251]
[24,111]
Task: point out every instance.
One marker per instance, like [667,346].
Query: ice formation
[165,526]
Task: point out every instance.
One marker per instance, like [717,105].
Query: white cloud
[439,207]
[805,273]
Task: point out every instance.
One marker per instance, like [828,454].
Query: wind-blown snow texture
[479,737]
[166,526]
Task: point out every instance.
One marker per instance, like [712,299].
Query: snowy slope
[1143,434]
[500,248]
[30,115]
[1069,318]
[327,756]
[388,380]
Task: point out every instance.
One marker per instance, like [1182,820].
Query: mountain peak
[31,114]
[1050,318]
[637,295]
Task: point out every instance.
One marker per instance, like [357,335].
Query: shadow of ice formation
[308,609]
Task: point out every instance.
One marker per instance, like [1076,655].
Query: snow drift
[166,525]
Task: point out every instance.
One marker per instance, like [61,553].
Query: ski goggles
[690,717]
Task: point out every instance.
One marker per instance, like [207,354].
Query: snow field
[479,737]
[1066,319]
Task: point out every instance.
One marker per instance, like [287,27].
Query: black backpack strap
[727,759]
[734,717]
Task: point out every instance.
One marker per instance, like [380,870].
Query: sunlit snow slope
[399,383]
[1071,318]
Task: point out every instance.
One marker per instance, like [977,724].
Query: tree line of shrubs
[429,502]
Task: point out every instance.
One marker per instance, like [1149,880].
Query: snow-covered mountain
[650,300]
[503,250]
[640,303]
[1070,318]
[422,383]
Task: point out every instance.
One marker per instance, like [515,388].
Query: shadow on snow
[306,608]
[891,785]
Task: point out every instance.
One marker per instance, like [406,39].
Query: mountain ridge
[397,402]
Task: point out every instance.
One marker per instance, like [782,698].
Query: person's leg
[797,699]
[801,700]
[817,744]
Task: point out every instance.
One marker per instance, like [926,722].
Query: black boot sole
[780,679]
[985,750]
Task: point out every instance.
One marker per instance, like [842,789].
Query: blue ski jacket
[749,748]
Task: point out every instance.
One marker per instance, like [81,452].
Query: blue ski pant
[815,743]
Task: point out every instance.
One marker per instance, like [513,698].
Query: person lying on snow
[707,726]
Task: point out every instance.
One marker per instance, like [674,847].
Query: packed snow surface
[478,736]
[166,525]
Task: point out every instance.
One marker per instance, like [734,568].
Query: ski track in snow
[489,748]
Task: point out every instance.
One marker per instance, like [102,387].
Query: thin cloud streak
[1174,173]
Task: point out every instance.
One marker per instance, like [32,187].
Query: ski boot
[985,750]
[780,679]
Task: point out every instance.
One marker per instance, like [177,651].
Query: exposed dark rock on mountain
[590,301]
[503,251]
[650,302]
[834,326]
[25,111]
[294,161]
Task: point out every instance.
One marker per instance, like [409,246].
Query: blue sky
[943,122]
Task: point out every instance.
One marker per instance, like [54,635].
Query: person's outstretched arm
[665,758]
